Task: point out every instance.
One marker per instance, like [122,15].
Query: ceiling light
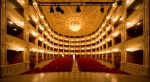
[74,26]
[78,9]
[102,9]
[51,10]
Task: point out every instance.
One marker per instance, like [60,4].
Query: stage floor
[74,77]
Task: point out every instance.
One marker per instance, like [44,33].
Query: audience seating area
[65,65]
[57,65]
[91,65]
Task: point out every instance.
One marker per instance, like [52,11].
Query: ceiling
[89,18]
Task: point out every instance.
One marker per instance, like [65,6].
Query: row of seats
[91,65]
[58,65]
[84,64]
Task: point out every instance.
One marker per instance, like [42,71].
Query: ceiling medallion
[75,23]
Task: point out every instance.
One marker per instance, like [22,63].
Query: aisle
[75,66]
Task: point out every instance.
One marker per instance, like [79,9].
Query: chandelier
[74,26]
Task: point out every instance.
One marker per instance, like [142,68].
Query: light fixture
[42,16]
[41,39]
[30,2]
[121,19]
[115,34]
[74,26]
[28,18]
[41,27]
[114,4]
[46,24]
[62,11]
[132,49]
[34,33]
[36,19]
[15,29]
[41,51]
[78,4]
[58,9]
[119,2]
[116,50]
[35,3]
[102,9]
[34,50]
[51,10]
[138,23]
[70,3]
[15,48]
[19,23]
[78,9]
[23,1]
[10,22]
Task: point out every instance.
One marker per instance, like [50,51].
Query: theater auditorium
[74,41]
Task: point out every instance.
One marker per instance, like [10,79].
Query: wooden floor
[74,76]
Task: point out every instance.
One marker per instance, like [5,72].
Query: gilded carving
[139,70]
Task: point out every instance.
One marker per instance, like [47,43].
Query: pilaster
[3,50]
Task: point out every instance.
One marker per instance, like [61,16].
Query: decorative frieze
[135,17]
[134,44]
[15,69]
[14,43]
[135,69]
[15,16]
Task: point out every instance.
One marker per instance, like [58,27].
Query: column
[36,60]
[3,41]
[53,55]
[123,39]
[146,61]
[42,55]
[106,57]
[112,58]
[26,37]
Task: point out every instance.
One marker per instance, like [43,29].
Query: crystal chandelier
[74,26]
